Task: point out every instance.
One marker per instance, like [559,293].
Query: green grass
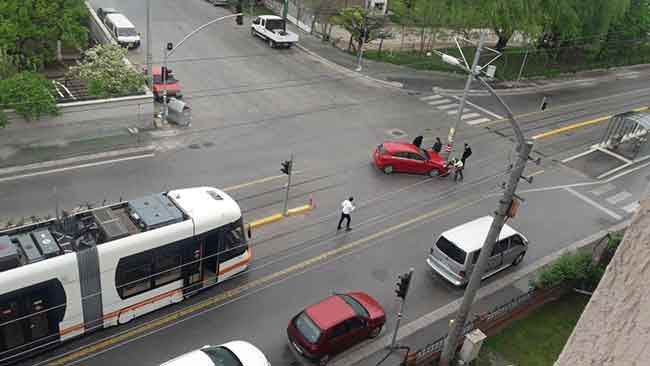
[538,339]
[539,63]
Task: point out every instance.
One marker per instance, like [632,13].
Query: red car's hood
[436,158]
[375,309]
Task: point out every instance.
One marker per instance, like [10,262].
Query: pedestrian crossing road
[472,114]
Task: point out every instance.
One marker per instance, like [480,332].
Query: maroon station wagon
[334,325]
[403,157]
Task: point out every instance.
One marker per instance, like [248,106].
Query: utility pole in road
[452,131]
[504,211]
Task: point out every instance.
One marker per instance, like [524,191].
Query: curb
[364,351]
[345,70]
[277,217]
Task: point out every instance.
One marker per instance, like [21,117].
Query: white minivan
[456,251]
[123,30]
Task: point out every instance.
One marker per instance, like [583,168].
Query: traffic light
[403,285]
[240,18]
[165,72]
[286,167]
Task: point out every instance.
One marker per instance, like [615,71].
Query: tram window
[134,275]
[234,242]
[167,266]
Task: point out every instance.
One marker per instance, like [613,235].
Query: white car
[235,353]
[273,29]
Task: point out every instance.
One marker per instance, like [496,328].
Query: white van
[456,251]
[123,30]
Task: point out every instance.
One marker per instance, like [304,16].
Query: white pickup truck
[272,28]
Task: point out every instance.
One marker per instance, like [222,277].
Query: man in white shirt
[458,170]
[346,209]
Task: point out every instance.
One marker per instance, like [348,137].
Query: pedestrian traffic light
[286,167]
[403,285]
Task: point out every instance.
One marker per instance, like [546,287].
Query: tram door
[37,323]
[192,267]
[11,329]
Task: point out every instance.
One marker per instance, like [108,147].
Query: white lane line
[431,97]
[478,121]
[632,207]
[447,106]
[618,156]
[578,155]
[603,189]
[619,197]
[593,203]
[624,166]
[452,112]
[469,115]
[87,165]
[487,111]
[436,102]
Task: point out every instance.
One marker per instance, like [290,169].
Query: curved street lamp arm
[201,28]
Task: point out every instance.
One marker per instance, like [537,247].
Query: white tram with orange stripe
[69,276]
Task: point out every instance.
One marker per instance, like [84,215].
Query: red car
[404,157]
[334,325]
[173,85]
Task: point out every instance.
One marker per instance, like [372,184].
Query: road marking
[575,126]
[430,97]
[436,102]
[578,155]
[619,197]
[168,320]
[478,121]
[484,110]
[624,166]
[447,106]
[632,207]
[603,189]
[593,203]
[613,154]
[80,166]
[452,112]
[469,115]
[539,172]
[258,181]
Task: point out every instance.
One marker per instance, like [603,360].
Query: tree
[322,11]
[507,16]
[30,94]
[31,28]
[360,23]
[106,73]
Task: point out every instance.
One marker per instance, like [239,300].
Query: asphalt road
[331,126]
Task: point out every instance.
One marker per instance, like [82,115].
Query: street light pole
[363,38]
[148,56]
[452,131]
[524,147]
[170,48]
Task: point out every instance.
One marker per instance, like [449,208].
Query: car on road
[334,325]
[273,29]
[455,252]
[103,12]
[404,157]
[173,85]
[122,30]
[235,353]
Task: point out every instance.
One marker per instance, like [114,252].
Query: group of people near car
[454,164]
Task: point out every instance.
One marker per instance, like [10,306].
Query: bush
[30,94]
[570,269]
[106,73]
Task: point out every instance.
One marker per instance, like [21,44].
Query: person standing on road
[466,153]
[346,209]
[458,170]
[417,141]
[437,146]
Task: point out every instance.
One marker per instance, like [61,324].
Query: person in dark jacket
[437,146]
[417,141]
[466,153]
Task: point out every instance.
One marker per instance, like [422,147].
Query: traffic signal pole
[402,289]
[289,170]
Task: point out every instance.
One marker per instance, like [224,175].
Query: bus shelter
[627,134]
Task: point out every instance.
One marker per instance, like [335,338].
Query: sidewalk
[420,332]
[426,81]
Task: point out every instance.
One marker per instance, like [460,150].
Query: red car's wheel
[388,169]
[434,173]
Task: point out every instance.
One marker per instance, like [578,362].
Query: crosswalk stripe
[603,189]
[447,106]
[469,115]
[435,102]
[452,112]
[477,121]
[620,196]
[430,97]
[632,207]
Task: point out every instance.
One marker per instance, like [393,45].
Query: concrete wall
[80,121]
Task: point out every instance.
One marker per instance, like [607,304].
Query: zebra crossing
[472,114]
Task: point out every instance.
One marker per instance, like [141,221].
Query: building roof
[330,312]
[471,235]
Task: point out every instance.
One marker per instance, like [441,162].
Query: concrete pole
[524,148]
[363,38]
[148,55]
[164,81]
[446,152]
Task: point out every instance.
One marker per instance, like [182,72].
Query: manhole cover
[396,133]
[195,146]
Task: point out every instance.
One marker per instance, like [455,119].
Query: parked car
[456,251]
[173,85]
[122,30]
[404,157]
[103,12]
[273,29]
[334,325]
[235,353]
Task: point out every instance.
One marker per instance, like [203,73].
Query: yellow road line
[266,220]
[299,210]
[112,341]
[575,126]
